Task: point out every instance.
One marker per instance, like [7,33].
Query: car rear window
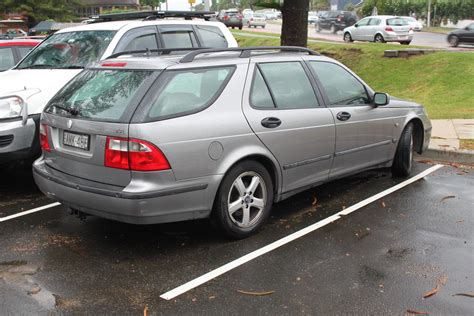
[211,36]
[188,91]
[101,95]
[396,22]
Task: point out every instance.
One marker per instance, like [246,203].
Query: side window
[341,87]
[6,58]
[211,36]
[147,41]
[140,38]
[374,22]
[188,91]
[296,93]
[260,96]
[24,50]
[178,36]
[363,22]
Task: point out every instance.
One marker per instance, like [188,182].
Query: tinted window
[24,50]
[289,85]
[6,59]
[188,91]
[102,95]
[341,87]
[144,42]
[178,39]
[260,96]
[211,36]
[396,22]
[71,49]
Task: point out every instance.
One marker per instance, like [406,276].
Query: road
[380,259]
[433,40]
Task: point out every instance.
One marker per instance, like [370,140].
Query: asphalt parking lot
[380,259]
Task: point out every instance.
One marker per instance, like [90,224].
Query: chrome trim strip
[353,150]
[306,162]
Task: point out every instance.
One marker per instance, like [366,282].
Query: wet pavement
[380,259]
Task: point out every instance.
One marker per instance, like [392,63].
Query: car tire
[405,43]
[333,29]
[403,161]
[240,27]
[379,38]
[235,212]
[453,41]
[347,37]
[318,28]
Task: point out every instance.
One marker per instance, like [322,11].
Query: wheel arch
[418,133]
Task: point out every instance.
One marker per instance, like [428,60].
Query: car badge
[69,124]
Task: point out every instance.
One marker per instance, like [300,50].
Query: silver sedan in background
[380,29]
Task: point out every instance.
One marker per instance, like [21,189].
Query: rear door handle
[343,116]
[271,122]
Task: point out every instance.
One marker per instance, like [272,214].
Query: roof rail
[151,15]
[147,52]
[246,52]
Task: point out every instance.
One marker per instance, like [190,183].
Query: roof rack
[147,52]
[151,15]
[246,52]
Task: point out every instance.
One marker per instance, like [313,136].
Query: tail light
[226,17]
[43,134]
[134,154]
[239,17]
[388,29]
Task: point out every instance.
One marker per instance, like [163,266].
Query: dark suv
[335,21]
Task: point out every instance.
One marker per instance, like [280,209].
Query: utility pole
[429,13]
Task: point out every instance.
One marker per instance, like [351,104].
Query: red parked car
[12,51]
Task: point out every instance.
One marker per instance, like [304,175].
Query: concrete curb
[461,156]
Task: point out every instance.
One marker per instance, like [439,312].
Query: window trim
[197,31]
[309,75]
[323,91]
[140,31]
[142,111]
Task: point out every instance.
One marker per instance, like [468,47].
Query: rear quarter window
[188,91]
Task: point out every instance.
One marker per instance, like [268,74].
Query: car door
[468,34]
[360,29]
[286,114]
[372,28]
[364,133]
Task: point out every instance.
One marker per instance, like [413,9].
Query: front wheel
[244,200]
[453,40]
[403,161]
[379,38]
[348,37]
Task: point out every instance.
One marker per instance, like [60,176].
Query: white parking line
[3,219]
[283,241]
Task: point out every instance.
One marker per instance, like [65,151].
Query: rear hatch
[90,114]
[399,26]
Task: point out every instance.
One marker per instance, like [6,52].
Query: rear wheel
[379,38]
[405,43]
[240,27]
[403,161]
[453,40]
[244,200]
[347,37]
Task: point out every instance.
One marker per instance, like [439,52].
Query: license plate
[403,37]
[80,141]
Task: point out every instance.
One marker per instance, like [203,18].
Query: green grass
[439,29]
[442,81]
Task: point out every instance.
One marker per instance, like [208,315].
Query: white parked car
[25,89]
[257,20]
[414,23]
[380,29]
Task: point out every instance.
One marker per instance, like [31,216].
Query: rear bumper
[186,200]
[18,141]
[397,38]
[234,24]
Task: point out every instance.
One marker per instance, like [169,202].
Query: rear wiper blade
[73,112]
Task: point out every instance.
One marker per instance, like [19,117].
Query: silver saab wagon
[220,133]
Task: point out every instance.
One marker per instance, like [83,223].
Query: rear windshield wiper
[73,112]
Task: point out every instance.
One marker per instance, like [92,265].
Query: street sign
[192,1]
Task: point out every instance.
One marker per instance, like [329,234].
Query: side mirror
[381,99]
[356,25]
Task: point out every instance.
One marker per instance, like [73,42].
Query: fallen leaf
[145,310]
[448,197]
[465,294]
[212,297]
[315,201]
[383,204]
[415,312]
[256,293]
[461,221]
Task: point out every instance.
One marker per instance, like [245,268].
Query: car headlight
[10,107]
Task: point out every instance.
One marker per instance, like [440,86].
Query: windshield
[69,50]
[102,95]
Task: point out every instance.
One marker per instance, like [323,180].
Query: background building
[91,7]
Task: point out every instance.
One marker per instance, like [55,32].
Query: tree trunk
[294,31]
